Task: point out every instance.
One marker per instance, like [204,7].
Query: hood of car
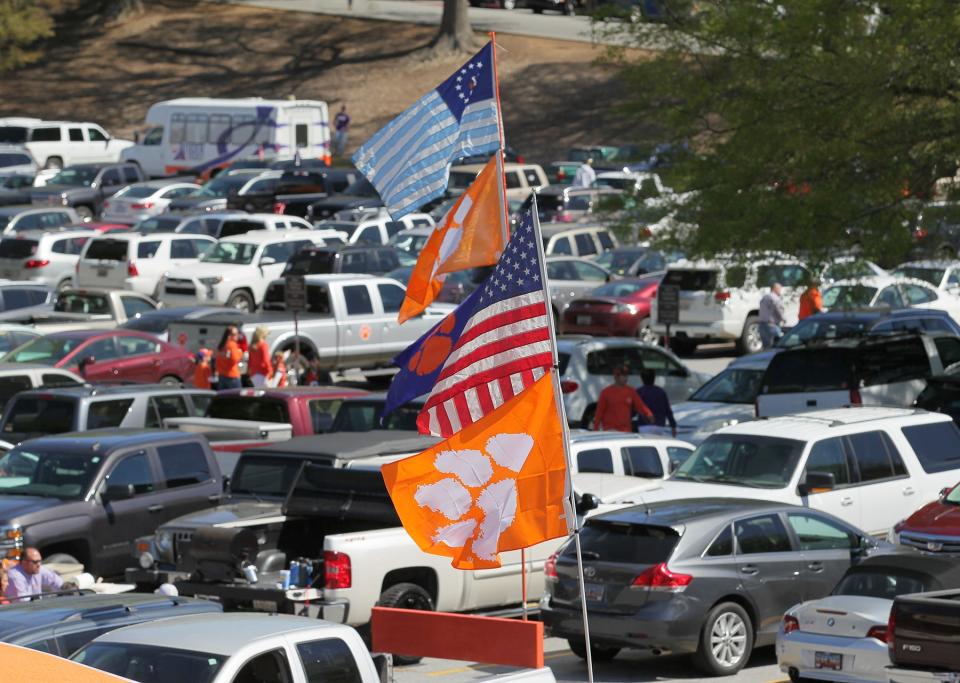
[700,415]
[15,508]
[934,518]
[239,512]
[670,489]
[203,270]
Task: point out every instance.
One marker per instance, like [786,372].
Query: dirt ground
[554,94]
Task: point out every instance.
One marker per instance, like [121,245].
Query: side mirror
[586,503]
[117,492]
[267,261]
[84,362]
[816,482]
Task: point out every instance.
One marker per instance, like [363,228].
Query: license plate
[593,591]
[265,605]
[828,660]
[102,272]
[583,320]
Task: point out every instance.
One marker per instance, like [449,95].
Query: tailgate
[926,628]
[104,264]
[218,429]
[697,289]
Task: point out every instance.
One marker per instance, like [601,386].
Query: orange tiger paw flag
[500,484]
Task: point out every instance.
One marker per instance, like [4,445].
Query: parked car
[21,300]
[158,321]
[47,258]
[456,287]
[570,277]
[943,275]
[567,204]
[710,579]
[375,260]
[857,323]
[84,497]
[55,410]
[360,194]
[563,239]
[21,377]
[620,308]
[15,189]
[21,219]
[873,370]
[919,638]
[891,292]
[936,230]
[846,631]
[55,144]
[86,186]
[641,184]
[850,268]
[139,201]
[138,262]
[633,455]
[586,368]
[520,179]
[375,226]
[108,355]
[64,624]
[212,196]
[933,528]
[263,195]
[636,261]
[16,161]
[207,223]
[84,309]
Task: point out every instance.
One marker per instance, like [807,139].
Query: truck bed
[926,631]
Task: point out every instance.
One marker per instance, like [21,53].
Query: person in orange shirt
[229,354]
[203,372]
[617,404]
[279,377]
[259,358]
[810,301]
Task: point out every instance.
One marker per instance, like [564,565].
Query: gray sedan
[709,577]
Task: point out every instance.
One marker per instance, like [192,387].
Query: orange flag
[472,234]
[500,484]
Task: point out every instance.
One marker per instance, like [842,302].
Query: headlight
[710,427]
[164,541]
[11,541]
[625,308]
[211,281]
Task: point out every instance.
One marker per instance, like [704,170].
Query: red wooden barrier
[490,640]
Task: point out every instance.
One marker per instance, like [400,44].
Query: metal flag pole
[558,399]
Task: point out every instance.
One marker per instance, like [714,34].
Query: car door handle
[749,569]
[155,508]
[908,491]
[815,566]
[846,502]
[116,371]
[215,498]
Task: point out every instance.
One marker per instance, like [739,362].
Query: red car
[99,356]
[935,527]
[620,308]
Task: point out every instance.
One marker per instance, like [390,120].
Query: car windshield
[221,186]
[815,328]
[44,350]
[733,385]
[151,662]
[76,175]
[881,582]
[82,302]
[47,474]
[954,496]
[237,253]
[264,475]
[848,296]
[932,275]
[254,408]
[742,460]
[13,159]
[158,224]
[620,288]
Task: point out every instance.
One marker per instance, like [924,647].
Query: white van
[201,135]
[55,144]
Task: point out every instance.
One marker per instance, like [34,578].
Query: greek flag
[408,160]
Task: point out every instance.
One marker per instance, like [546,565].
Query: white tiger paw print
[470,489]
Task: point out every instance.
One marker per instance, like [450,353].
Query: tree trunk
[456,34]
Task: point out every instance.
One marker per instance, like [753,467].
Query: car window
[147,249]
[134,306]
[937,445]
[358,300]
[200,403]
[765,534]
[52,380]
[101,350]
[322,413]
[936,325]
[513,179]
[71,642]
[915,294]
[133,470]
[95,134]
[201,247]
[136,346]
[102,414]
[603,362]
[678,455]
[595,460]
[562,246]
[183,464]
[328,661]
[110,178]
[560,270]
[393,227]
[14,298]
[281,251]
[889,296]
[392,297]
[353,262]
[722,545]
[162,407]
[787,275]
[642,461]
[13,384]
[874,460]
[51,134]
[270,667]
[829,457]
[588,271]
[182,249]
[387,260]
[585,245]
[369,235]
[659,362]
[606,241]
[816,533]
[891,361]
[949,349]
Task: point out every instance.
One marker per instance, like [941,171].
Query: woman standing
[259,358]
[279,377]
[229,354]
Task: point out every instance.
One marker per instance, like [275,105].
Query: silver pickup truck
[350,323]
[87,309]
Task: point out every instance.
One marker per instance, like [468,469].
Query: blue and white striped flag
[408,160]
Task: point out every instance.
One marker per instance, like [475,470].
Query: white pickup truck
[351,322]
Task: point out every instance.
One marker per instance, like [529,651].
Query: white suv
[138,262]
[719,299]
[55,144]
[46,257]
[869,466]
[237,271]
[634,455]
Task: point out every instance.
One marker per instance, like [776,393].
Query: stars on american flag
[518,271]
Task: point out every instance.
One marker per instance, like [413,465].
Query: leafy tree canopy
[22,24]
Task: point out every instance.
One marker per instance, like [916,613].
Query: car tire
[61,558]
[406,596]
[171,380]
[749,341]
[85,213]
[726,640]
[242,301]
[53,162]
[682,346]
[537,10]
[65,283]
[598,653]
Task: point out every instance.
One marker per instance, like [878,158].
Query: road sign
[668,304]
[295,293]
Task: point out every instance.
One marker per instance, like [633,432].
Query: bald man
[30,577]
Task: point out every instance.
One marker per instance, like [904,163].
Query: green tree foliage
[816,124]
[22,24]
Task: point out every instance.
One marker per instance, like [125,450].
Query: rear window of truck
[692,280]
[253,408]
[937,445]
[809,370]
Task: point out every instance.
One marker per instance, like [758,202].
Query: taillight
[659,578]
[132,269]
[142,205]
[336,570]
[520,159]
[720,297]
[563,217]
[568,386]
[279,207]
[891,630]
[878,632]
[855,399]
[36,263]
[790,624]
[550,568]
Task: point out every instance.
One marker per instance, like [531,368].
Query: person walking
[617,404]
[30,578]
[811,301]
[229,354]
[203,374]
[585,175]
[260,368]
[771,316]
[656,399]
[341,127]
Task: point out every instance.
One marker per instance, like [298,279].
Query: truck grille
[174,286]
[181,544]
[930,543]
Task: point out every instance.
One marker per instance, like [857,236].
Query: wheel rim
[728,639]
[241,304]
[413,601]
[752,338]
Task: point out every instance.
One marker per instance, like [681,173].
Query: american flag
[408,160]
[492,347]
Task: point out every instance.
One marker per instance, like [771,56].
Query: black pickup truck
[297,187]
[922,636]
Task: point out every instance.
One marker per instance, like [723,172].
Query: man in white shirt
[585,175]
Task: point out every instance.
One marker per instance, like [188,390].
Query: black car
[213,195]
[346,258]
[360,195]
[62,624]
[310,183]
[692,576]
[85,186]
